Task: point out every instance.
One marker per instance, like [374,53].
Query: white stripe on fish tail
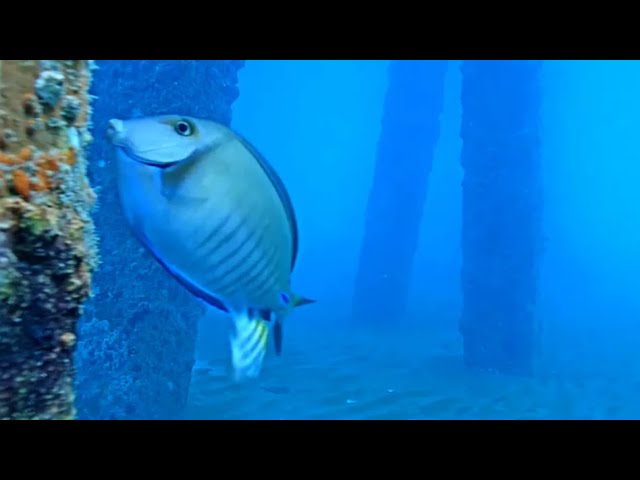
[248,345]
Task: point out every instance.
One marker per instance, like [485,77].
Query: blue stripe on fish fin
[190,287]
[285,298]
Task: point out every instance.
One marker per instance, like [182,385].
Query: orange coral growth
[71,156]
[10,159]
[49,163]
[44,183]
[21,183]
[25,154]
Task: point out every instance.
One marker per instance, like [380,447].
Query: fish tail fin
[248,345]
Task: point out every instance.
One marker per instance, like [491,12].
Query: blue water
[318,122]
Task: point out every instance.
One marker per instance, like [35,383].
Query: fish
[208,206]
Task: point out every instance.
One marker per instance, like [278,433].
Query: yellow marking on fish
[248,346]
[264,332]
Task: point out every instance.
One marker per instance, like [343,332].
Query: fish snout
[115,131]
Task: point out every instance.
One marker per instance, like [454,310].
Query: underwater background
[468,229]
[410,365]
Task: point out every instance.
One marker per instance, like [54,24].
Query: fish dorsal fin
[278,184]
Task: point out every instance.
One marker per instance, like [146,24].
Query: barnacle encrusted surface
[48,249]
[137,337]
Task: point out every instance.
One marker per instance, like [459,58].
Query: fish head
[157,165]
[162,141]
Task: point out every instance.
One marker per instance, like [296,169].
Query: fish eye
[183,128]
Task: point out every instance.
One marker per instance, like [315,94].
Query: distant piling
[48,250]
[138,336]
[502,213]
[410,131]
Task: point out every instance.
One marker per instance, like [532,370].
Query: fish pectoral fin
[248,345]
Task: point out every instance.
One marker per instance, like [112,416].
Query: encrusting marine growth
[48,248]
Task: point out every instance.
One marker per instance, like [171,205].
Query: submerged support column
[410,130]
[502,207]
[137,340]
[47,246]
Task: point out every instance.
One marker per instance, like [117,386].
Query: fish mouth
[116,135]
[126,150]
[115,132]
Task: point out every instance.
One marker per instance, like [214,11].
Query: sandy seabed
[420,375]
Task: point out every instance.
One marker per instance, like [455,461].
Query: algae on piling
[48,248]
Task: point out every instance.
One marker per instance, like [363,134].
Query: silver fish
[212,211]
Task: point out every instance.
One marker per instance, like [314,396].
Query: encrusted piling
[137,339]
[47,245]
[502,213]
[410,130]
